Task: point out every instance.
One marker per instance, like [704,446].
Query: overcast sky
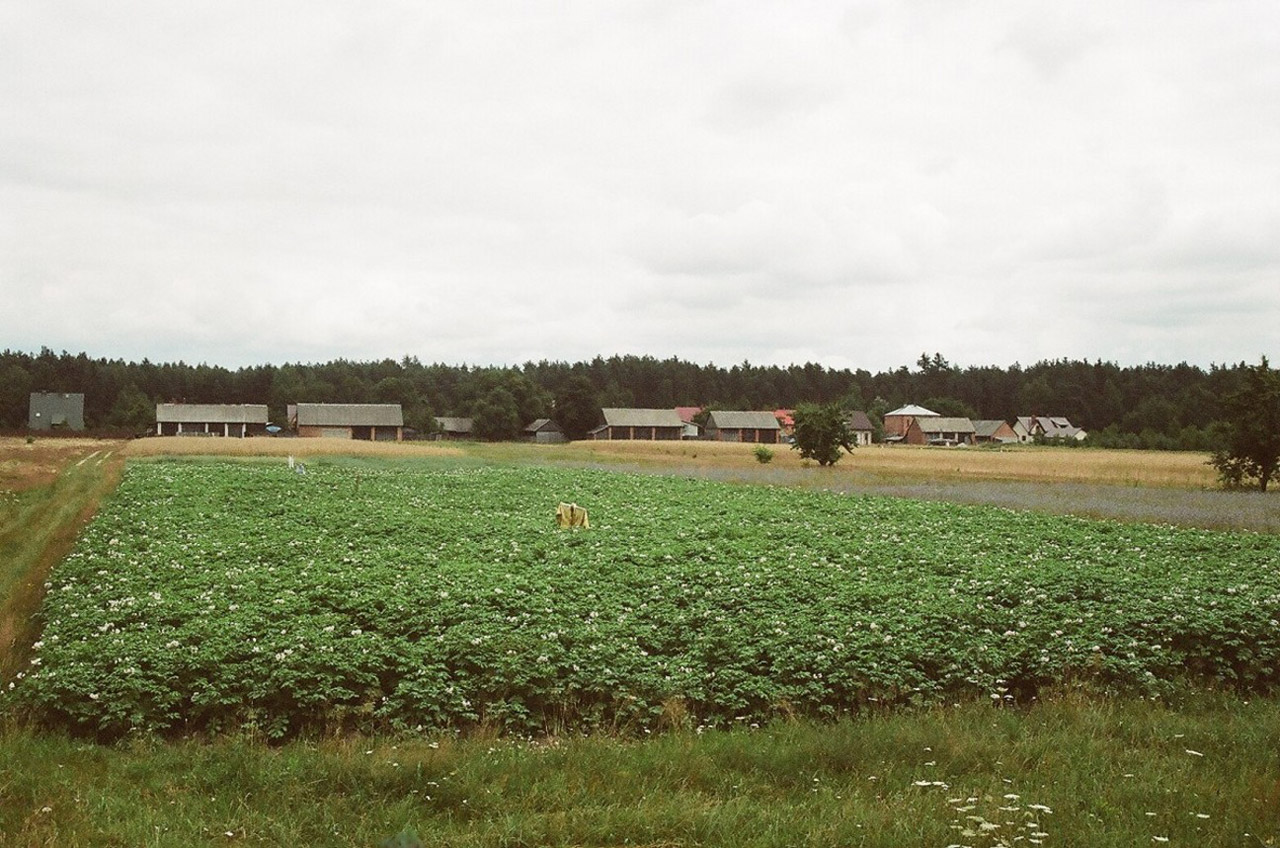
[493,182]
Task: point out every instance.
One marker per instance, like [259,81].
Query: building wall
[642,434]
[366,433]
[898,425]
[56,409]
[1004,433]
[209,428]
[917,436]
[750,435]
[308,431]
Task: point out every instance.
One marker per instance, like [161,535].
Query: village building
[897,423]
[55,411]
[993,432]
[861,427]
[937,430]
[1030,428]
[639,424]
[452,429]
[229,420]
[369,422]
[786,420]
[544,431]
[687,415]
[752,427]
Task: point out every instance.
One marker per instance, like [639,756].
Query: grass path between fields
[38,527]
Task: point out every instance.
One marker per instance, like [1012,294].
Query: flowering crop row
[209,594]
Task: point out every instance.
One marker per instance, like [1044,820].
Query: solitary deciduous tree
[822,432]
[1252,448]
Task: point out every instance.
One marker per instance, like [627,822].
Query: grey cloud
[489,182]
[1051,39]
[749,104]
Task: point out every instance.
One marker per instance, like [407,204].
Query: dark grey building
[56,410]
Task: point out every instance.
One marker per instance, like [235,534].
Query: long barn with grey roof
[733,426]
[375,422]
[639,424]
[231,420]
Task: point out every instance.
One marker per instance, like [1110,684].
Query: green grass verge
[1077,771]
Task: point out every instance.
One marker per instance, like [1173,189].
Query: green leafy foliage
[577,408]
[496,416]
[1252,449]
[822,433]
[213,594]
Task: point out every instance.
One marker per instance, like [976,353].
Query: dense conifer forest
[1149,406]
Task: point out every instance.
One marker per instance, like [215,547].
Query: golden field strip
[880,464]
[212,446]
[873,464]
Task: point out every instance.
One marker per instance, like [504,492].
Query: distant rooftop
[912,409]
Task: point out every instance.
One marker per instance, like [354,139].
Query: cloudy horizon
[489,183]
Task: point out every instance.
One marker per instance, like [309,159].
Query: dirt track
[52,487]
[25,465]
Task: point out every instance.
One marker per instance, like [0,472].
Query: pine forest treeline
[1151,406]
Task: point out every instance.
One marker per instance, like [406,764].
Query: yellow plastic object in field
[572,515]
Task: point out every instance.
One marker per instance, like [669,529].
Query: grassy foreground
[1071,771]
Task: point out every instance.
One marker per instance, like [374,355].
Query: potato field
[212,594]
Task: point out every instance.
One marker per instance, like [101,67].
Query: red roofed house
[687,414]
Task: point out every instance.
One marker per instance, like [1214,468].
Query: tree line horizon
[1153,406]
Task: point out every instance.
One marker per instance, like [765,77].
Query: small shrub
[407,838]
[763,455]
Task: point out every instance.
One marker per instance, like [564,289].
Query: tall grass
[879,463]
[1099,773]
[38,526]
[874,464]
[217,446]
